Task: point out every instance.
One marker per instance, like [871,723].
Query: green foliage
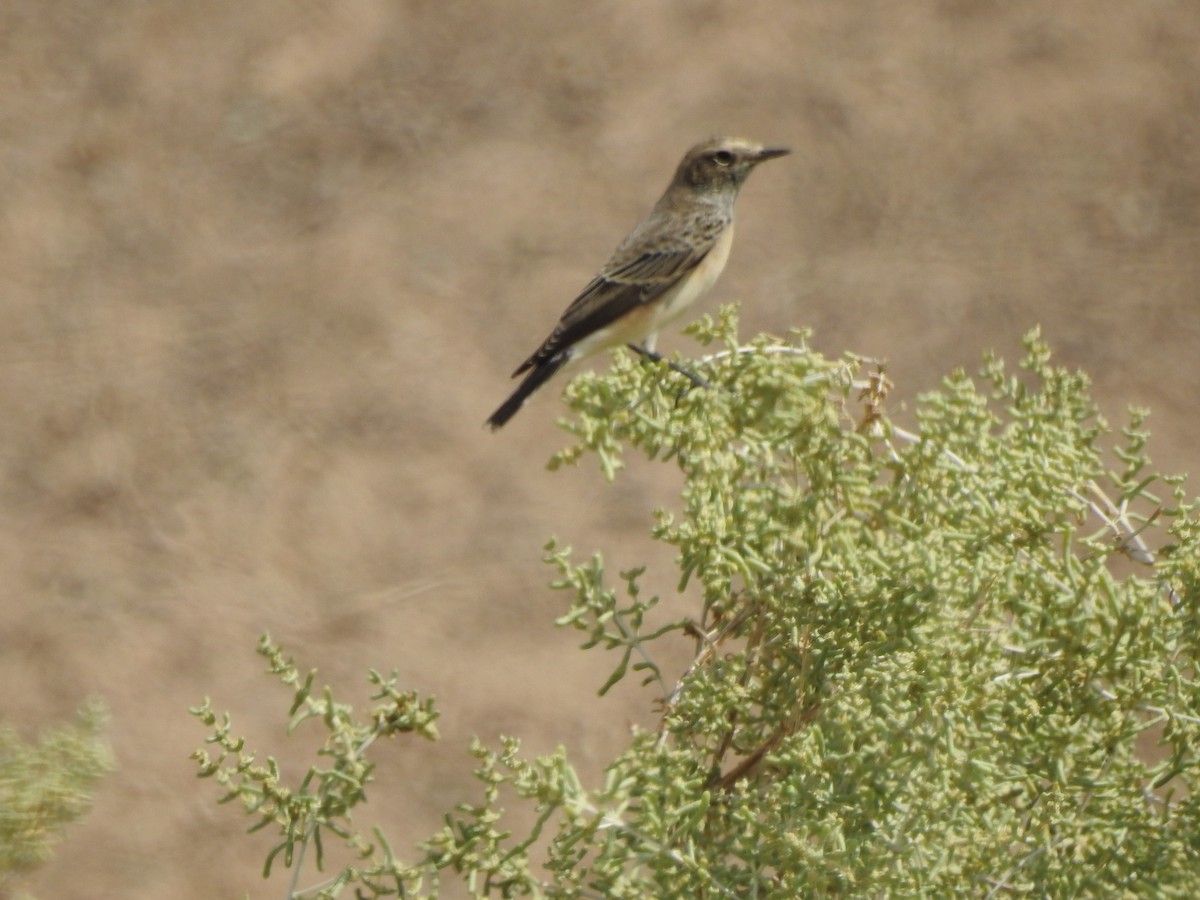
[956,661]
[45,786]
[325,796]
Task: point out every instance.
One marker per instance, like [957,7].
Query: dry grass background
[266,268]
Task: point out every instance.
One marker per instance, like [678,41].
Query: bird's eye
[723,158]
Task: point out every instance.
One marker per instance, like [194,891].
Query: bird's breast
[696,283]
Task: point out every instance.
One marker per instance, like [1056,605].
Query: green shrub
[44,787]
[956,661]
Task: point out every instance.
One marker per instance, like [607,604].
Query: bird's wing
[626,282]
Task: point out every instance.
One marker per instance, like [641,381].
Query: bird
[663,266]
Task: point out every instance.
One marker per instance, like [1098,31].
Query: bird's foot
[674,367]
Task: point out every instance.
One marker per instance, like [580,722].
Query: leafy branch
[954,657]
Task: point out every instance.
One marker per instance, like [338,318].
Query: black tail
[540,374]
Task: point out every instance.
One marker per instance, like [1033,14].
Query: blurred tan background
[266,267]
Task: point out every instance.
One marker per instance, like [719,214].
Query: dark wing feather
[656,266]
[616,291]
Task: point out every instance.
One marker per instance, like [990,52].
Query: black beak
[772,153]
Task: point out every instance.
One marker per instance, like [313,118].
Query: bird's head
[723,162]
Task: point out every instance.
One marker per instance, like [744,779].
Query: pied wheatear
[666,264]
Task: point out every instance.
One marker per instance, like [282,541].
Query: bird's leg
[674,367]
